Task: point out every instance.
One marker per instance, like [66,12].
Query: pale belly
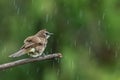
[33,52]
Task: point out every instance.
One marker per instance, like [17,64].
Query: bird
[34,45]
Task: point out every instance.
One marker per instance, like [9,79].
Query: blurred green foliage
[86,32]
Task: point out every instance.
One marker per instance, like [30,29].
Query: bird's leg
[43,55]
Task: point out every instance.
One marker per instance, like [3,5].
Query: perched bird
[34,45]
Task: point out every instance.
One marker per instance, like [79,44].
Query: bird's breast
[32,50]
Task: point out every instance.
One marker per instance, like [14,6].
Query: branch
[28,60]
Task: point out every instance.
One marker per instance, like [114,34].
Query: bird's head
[44,33]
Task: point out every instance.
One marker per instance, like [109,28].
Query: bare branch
[28,60]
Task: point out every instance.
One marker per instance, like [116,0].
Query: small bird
[34,45]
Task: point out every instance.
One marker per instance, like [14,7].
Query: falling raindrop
[46,53]
[72,64]
[108,46]
[51,51]
[116,54]
[3,51]
[53,64]
[37,69]
[16,7]
[118,46]
[99,22]
[68,22]
[77,78]
[14,2]
[18,10]
[58,60]
[47,18]
[91,42]
[80,14]
[11,69]
[28,72]
[32,1]
[0,42]
[58,72]
[24,19]
[86,44]
[89,50]
[55,11]
[29,27]
[106,42]
[75,43]
[4,70]
[103,17]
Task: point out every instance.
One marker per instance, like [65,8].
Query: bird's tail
[19,53]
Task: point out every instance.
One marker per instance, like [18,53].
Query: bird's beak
[50,33]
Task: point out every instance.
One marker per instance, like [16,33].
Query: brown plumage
[34,45]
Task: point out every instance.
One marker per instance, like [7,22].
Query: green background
[86,32]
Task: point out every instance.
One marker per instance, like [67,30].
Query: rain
[86,34]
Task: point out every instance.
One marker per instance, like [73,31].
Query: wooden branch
[28,60]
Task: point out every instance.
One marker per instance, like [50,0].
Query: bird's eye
[47,33]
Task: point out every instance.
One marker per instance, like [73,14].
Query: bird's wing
[34,41]
[28,45]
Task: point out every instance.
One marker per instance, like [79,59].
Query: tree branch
[28,60]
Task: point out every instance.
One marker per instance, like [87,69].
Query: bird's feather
[19,53]
[33,44]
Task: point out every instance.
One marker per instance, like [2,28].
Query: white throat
[48,36]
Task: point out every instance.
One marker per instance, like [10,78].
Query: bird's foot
[43,55]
